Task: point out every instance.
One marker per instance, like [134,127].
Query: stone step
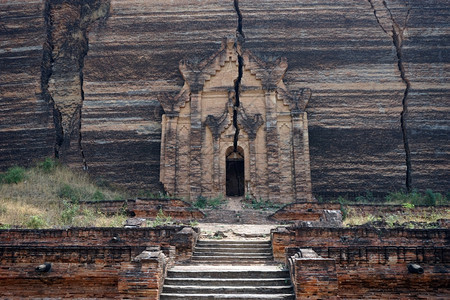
[231,253]
[228,281]
[227,257]
[166,296]
[232,242]
[225,250]
[233,246]
[223,273]
[194,289]
[232,262]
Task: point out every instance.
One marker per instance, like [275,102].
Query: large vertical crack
[240,38]
[395,30]
[46,73]
[67,24]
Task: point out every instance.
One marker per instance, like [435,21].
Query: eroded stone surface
[338,49]
[198,141]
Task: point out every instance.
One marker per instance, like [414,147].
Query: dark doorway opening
[235,174]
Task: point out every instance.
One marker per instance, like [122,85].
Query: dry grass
[44,200]
[414,218]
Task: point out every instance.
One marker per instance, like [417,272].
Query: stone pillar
[286,162]
[252,163]
[196,147]
[143,276]
[216,161]
[169,153]
[313,277]
[307,162]
[273,172]
[302,173]
[183,160]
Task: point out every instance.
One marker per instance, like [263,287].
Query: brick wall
[147,208]
[91,262]
[367,262]
[183,238]
[345,237]
[303,211]
[82,272]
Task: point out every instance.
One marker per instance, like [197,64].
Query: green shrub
[13,175]
[408,205]
[391,220]
[98,196]
[430,198]
[344,211]
[215,202]
[36,222]
[367,198]
[261,204]
[69,193]
[342,200]
[69,212]
[161,219]
[48,165]
[415,198]
[201,202]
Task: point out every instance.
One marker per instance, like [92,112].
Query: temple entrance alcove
[199,155]
[235,178]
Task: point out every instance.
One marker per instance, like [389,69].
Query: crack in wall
[46,73]
[66,46]
[396,32]
[240,38]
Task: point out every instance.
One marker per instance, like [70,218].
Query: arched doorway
[235,178]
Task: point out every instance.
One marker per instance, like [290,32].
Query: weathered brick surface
[346,237]
[82,272]
[371,272]
[303,211]
[65,280]
[182,238]
[147,208]
[144,275]
[314,277]
[90,263]
[269,116]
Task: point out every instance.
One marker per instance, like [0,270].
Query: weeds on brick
[213,203]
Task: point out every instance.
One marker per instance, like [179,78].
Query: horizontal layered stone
[338,49]
[132,58]
[26,133]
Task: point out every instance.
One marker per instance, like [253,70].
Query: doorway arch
[235,172]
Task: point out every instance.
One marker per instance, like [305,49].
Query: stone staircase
[232,252]
[242,216]
[229,270]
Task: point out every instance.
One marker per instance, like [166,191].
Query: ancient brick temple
[235,129]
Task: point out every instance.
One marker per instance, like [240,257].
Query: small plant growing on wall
[213,203]
[162,219]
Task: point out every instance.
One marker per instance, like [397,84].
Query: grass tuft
[13,175]
[212,203]
[48,196]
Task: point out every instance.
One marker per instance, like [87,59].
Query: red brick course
[90,262]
